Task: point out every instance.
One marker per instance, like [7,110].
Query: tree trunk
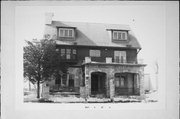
[38,89]
[29,85]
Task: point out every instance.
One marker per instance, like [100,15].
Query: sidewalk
[76,99]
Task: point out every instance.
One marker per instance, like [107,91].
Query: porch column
[87,90]
[98,80]
[87,82]
[61,80]
[67,80]
[111,87]
[107,85]
[136,84]
[141,85]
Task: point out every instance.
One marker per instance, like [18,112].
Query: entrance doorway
[98,83]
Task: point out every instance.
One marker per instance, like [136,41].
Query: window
[120,81]
[70,33]
[64,79]
[68,53]
[74,54]
[117,81]
[65,32]
[71,80]
[61,32]
[120,56]
[119,35]
[58,79]
[63,53]
[94,53]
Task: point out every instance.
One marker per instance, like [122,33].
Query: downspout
[137,56]
[138,50]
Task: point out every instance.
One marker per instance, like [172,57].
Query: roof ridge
[90,23]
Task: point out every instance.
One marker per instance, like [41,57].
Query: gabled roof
[97,34]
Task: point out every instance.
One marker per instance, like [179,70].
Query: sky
[146,21]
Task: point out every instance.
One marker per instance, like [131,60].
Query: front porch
[113,79]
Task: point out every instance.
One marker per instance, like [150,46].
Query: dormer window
[119,35]
[66,32]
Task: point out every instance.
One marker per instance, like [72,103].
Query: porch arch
[98,83]
[127,83]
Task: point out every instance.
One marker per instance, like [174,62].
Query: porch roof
[114,63]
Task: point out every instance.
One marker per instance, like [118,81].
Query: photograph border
[16,97]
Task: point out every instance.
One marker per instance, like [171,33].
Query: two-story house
[101,58]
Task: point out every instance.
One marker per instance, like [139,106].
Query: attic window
[66,32]
[119,35]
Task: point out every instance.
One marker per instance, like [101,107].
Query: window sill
[68,60]
[66,38]
[116,40]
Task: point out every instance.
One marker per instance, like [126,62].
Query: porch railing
[58,88]
[127,91]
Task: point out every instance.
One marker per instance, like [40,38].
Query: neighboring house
[101,58]
[147,83]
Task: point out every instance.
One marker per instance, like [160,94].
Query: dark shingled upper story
[94,34]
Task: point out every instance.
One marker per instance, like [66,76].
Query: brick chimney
[87,59]
[108,60]
[48,17]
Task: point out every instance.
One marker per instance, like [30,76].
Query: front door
[98,80]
